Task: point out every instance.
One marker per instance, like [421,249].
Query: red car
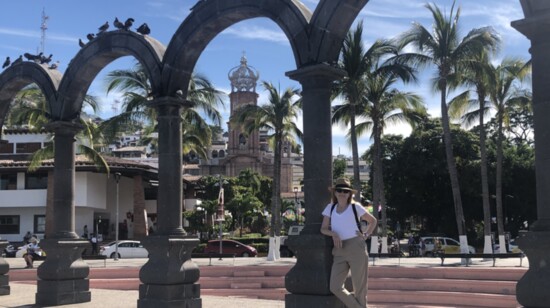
[230,246]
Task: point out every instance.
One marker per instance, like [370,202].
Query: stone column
[532,288]
[63,275]
[308,280]
[169,277]
[4,269]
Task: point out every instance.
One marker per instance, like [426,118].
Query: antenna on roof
[43,28]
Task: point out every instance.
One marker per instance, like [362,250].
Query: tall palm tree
[383,106]
[452,56]
[480,77]
[136,89]
[505,95]
[279,118]
[356,62]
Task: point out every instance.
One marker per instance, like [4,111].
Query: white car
[126,249]
[448,245]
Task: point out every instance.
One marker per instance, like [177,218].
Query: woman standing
[343,222]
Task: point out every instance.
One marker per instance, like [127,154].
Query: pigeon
[90,36]
[35,58]
[118,24]
[7,62]
[81,43]
[128,23]
[46,60]
[103,28]
[144,29]
[54,65]
[18,60]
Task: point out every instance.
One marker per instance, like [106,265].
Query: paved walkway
[23,295]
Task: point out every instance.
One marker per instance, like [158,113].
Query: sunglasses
[341,190]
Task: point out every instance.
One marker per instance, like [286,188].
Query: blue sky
[266,47]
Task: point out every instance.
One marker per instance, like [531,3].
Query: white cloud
[252,32]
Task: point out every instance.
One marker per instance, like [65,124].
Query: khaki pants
[353,256]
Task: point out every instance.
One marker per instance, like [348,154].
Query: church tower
[243,149]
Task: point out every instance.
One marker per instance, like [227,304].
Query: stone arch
[18,76]
[209,18]
[97,54]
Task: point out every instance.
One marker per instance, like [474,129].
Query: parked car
[513,247]
[448,245]
[126,249]
[230,246]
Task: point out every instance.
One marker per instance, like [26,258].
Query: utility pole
[43,28]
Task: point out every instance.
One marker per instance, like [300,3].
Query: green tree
[279,118]
[385,106]
[359,64]
[31,110]
[505,96]
[136,89]
[451,55]
[338,168]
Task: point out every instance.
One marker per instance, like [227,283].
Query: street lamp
[296,204]
[117,179]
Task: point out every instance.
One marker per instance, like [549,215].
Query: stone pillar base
[63,292]
[317,301]
[4,269]
[4,285]
[532,288]
[63,276]
[180,295]
[169,277]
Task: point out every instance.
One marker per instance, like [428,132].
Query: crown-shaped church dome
[243,77]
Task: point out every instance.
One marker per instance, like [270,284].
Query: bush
[199,248]
[261,247]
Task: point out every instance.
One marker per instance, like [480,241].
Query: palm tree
[451,56]
[279,118]
[30,109]
[136,89]
[385,106]
[367,93]
[480,78]
[356,62]
[505,96]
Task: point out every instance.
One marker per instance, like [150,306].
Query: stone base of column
[63,276]
[4,285]
[63,292]
[4,269]
[169,277]
[317,301]
[532,288]
[181,295]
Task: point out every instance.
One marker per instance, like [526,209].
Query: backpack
[354,215]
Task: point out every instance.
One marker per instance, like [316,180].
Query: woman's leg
[359,262]
[339,274]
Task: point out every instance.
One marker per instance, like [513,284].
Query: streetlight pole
[296,204]
[117,179]
[221,213]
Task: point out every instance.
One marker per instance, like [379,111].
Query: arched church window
[214,154]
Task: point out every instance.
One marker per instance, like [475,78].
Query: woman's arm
[325,229]
[372,222]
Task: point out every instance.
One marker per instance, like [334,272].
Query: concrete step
[246,285]
[249,274]
[401,298]
[448,285]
